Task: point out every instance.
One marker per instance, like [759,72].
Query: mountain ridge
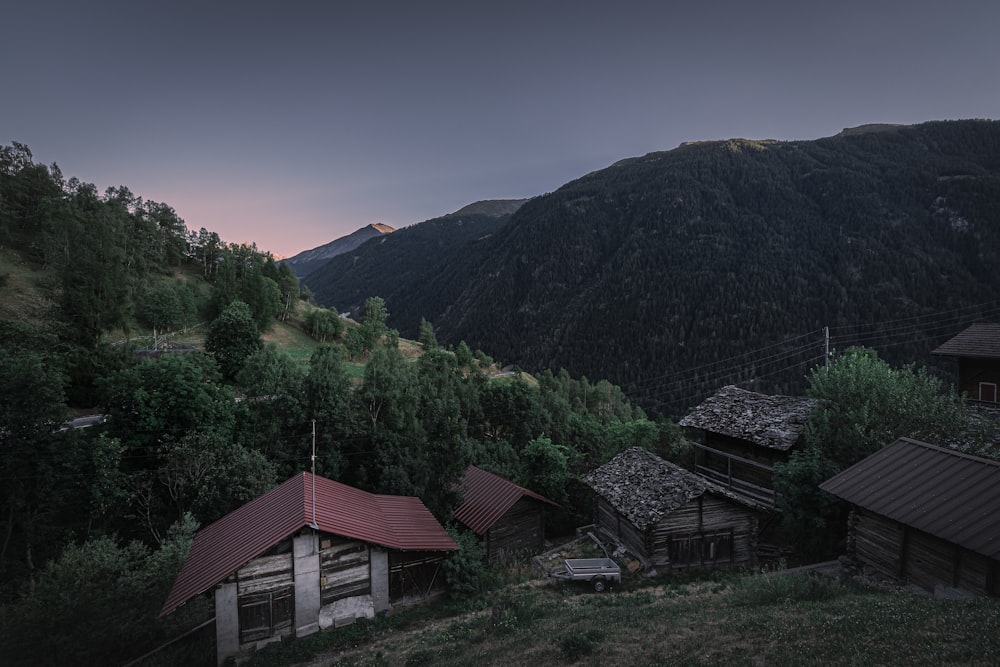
[307,261]
[676,259]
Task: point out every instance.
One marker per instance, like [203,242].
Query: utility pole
[314,525]
[826,348]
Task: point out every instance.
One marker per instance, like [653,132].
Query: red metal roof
[981,341]
[398,522]
[948,494]
[487,497]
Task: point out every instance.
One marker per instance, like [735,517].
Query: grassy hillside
[727,620]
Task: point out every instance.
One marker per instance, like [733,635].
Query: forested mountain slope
[677,260]
[424,254]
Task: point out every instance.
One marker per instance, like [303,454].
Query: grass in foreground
[734,620]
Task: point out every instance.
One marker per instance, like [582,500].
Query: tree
[161,307]
[324,325]
[326,399]
[32,458]
[427,338]
[546,468]
[373,318]
[865,405]
[97,593]
[232,337]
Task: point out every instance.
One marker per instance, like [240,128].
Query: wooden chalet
[508,519]
[739,435]
[309,554]
[977,350]
[925,515]
[669,518]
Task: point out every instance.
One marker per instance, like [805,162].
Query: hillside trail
[396,642]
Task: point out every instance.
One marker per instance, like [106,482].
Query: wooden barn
[671,519]
[739,435]
[309,554]
[925,515]
[977,350]
[509,519]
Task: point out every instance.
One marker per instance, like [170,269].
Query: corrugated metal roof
[948,494]
[397,522]
[643,488]
[769,421]
[980,341]
[486,497]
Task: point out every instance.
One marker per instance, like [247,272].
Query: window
[704,548]
[264,615]
[988,392]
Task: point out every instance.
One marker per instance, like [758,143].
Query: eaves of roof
[951,495]
[397,522]
[486,497]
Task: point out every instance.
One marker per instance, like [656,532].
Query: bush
[575,646]
[465,571]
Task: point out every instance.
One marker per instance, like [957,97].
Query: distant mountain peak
[869,128]
[308,261]
[493,208]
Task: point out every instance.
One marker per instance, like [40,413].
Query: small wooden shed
[977,350]
[309,554]
[925,515]
[508,518]
[671,519]
[739,435]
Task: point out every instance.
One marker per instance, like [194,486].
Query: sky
[290,124]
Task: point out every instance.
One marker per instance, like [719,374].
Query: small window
[264,615]
[988,392]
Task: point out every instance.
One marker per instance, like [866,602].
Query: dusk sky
[291,123]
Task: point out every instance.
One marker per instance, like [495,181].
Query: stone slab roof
[769,421]
[642,487]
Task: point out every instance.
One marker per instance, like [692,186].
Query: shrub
[575,646]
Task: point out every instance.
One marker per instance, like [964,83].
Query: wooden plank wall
[693,528]
[878,542]
[518,531]
[916,557]
[345,570]
[264,575]
[613,523]
[265,589]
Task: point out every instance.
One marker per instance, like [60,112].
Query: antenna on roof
[314,525]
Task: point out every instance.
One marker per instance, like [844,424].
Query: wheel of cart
[600,584]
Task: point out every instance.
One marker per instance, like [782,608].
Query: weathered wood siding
[915,557]
[878,542]
[344,569]
[608,519]
[520,530]
[707,532]
[739,465]
[414,575]
[265,598]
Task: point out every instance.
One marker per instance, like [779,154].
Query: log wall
[915,557]
[615,524]
[520,530]
[707,532]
